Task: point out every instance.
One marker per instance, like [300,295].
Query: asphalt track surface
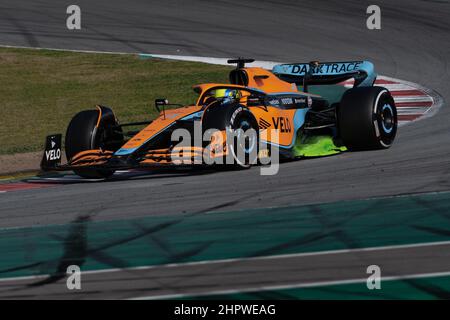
[172,281]
[412,45]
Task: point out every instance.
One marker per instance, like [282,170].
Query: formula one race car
[271,112]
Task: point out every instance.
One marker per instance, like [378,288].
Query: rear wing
[327,73]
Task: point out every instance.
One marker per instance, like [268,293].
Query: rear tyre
[367,118]
[83,134]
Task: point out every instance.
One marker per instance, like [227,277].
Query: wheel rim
[387,118]
[387,121]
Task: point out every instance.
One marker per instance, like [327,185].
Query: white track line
[293,286]
[236,260]
[209,60]
[66,50]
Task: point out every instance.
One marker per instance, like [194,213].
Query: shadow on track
[138,174]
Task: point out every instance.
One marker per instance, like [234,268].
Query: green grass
[41,90]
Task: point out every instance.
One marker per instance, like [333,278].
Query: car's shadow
[68,177]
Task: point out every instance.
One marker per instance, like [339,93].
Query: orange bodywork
[164,119]
[278,124]
[91,157]
[266,81]
[280,130]
[258,78]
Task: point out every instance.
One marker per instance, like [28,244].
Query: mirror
[160,103]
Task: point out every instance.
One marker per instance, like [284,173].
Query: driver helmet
[227,94]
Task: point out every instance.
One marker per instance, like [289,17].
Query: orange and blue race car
[268,111]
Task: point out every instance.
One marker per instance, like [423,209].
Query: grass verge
[41,90]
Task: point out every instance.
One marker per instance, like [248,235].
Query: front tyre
[89,130]
[367,118]
[241,128]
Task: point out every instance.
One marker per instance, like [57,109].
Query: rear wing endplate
[327,72]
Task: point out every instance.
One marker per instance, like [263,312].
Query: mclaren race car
[269,112]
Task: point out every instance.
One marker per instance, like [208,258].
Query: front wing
[99,159]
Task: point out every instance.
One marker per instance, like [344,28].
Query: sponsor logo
[235,113]
[326,68]
[299,100]
[282,123]
[52,155]
[287,101]
[274,102]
